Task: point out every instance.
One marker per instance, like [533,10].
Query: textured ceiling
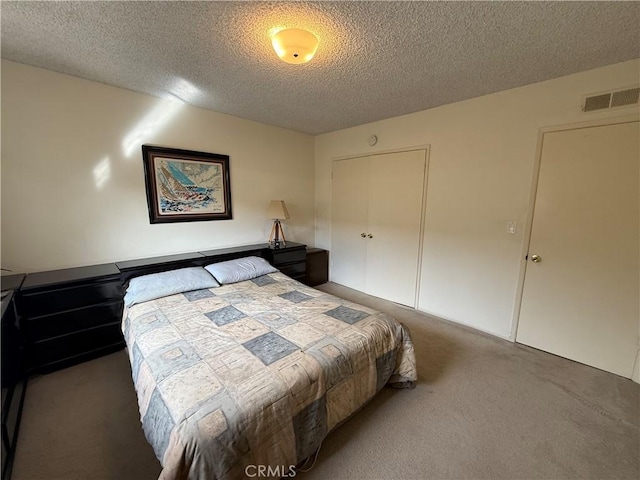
[376,60]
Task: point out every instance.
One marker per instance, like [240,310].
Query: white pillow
[246,268]
[156,285]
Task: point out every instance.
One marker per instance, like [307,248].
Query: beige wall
[480,173]
[73,186]
[73,189]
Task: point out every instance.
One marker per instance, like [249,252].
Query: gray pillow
[246,268]
[156,285]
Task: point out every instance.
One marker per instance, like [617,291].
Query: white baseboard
[475,327]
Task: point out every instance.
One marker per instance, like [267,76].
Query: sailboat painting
[186,186]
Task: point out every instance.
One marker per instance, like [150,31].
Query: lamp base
[277,231]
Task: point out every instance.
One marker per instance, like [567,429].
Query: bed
[248,378]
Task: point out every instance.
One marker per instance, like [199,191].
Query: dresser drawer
[284,256]
[45,302]
[65,346]
[294,270]
[47,326]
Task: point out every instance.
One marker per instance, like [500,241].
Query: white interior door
[349,211]
[395,212]
[581,301]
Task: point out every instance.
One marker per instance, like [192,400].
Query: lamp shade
[277,210]
[295,45]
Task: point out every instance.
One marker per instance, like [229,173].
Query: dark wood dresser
[12,345]
[14,378]
[71,315]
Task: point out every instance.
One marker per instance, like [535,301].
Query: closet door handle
[363,235]
[370,236]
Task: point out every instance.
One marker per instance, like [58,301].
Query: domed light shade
[295,45]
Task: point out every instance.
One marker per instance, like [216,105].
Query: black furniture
[58,318]
[14,380]
[12,346]
[147,266]
[290,259]
[71,315]
[317,266]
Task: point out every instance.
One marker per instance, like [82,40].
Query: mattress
[254,375]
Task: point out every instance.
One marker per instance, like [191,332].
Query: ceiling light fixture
[295,45]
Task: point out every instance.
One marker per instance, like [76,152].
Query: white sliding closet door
[349,221]
[376,224]
[395,211]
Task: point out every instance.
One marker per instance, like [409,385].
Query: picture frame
[186,186]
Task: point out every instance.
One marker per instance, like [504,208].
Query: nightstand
[71,315]
[317,266]
[290,259]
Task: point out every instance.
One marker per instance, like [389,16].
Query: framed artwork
[186,186]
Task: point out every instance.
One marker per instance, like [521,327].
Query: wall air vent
[625,97]
[614,99]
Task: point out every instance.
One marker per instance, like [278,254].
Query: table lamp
[277,211]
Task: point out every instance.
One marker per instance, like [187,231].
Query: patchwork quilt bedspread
[255,373]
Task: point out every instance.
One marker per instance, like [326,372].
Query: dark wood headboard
[144,266]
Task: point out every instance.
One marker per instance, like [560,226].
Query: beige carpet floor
[484,408]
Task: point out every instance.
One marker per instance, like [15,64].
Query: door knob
[536,258]
[370,236]
[363,235]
